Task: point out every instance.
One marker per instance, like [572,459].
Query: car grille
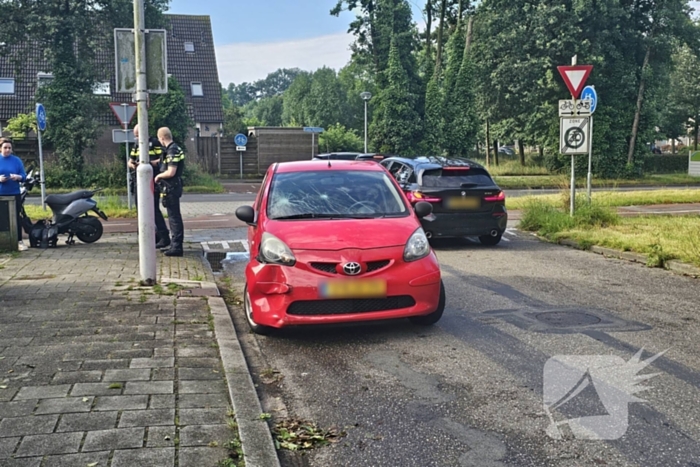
[349,305]
[376,265]
[325,267]
[330,268]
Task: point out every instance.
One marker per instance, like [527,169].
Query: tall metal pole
[41,172]
[365,126]
[590,157]
[144,171]
[573,162]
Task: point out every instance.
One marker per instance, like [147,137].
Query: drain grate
[567,318]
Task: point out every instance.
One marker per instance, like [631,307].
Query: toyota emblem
[352,269]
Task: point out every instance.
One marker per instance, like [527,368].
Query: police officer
[155,154]
[169,181]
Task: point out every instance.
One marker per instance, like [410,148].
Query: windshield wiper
[306,215]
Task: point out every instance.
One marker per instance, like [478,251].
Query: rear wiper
[468,185]
[306,215]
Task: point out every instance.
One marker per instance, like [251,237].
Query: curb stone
[674,266]
[256,439]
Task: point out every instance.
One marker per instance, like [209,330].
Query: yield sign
[123,111]
[575,77]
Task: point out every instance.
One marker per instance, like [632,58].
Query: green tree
[267,109]
[397,126]
[170,110]
[325,102]
[294,107]
[683,104]
[337,138]
[65,33]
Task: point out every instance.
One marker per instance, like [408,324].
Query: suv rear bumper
[465,224]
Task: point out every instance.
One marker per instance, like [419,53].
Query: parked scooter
[70,216]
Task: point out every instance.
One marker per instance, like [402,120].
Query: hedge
[661,164]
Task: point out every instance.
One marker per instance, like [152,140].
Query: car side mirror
[246,214]
[423,209]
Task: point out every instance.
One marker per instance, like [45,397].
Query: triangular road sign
[124,111]
[575,77]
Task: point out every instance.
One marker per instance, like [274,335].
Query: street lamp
[365,97]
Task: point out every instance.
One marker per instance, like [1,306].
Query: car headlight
[417,246]
[275,251]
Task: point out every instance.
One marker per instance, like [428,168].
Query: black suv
[336,156]
[466,201]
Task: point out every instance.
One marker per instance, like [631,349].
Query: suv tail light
[501,196]
[415,196]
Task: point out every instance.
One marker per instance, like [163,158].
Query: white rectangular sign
[575,135]
[121,137]
[240,148]
[574,108]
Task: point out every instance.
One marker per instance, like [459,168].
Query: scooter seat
[63,200]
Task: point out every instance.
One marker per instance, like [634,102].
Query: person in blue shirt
[11,175]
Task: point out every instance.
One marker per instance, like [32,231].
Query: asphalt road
[469,391]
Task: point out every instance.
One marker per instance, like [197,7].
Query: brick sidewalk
[95,370]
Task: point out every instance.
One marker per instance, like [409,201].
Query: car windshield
[456,178]
[334,194]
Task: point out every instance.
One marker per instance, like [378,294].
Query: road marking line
[213,220]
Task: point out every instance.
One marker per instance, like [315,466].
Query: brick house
[191,60]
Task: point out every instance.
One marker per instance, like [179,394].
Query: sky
[255,38]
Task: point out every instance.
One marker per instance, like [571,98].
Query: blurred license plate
[469,202]
[353,289]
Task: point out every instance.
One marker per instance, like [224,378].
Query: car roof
[307,166]
[436,162]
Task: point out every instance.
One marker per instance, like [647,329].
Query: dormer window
[7,85]
[42,78]
[101,89]
[189,47]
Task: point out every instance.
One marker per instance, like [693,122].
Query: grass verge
[557,181]
[661,238]
[615,198]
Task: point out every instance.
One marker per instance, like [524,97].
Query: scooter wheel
[90,229]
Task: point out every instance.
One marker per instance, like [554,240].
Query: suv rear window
[454,178]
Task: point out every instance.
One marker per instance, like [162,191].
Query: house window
[197,90]
[42,79]
[7,85]
[101,89]
[189,46]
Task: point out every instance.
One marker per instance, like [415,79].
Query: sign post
[125,112]
[589,94]
[241,140]
[313,130]
[41,126]
[574,126]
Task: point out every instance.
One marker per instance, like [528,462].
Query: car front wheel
[248,309]
[434,317]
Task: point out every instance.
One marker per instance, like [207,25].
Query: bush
[106,176]
[664,164]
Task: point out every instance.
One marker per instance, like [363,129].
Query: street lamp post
[365,97]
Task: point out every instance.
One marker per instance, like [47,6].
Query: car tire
[248,310]
[434,317]
[488,240]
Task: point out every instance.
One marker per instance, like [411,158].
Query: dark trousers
[18,205]
[161,226]
[177,228]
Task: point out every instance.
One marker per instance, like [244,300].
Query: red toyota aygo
[337,242]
